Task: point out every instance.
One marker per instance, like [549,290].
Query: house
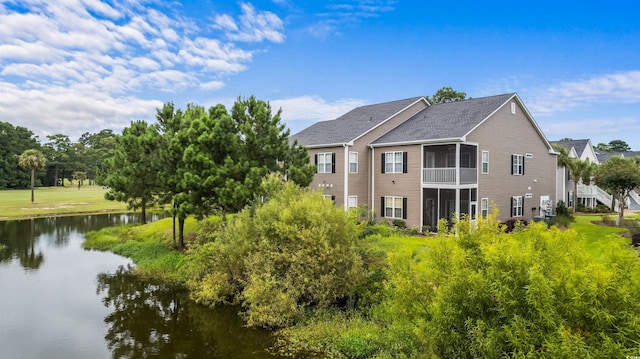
[588,195]
[413,161]
[633,202]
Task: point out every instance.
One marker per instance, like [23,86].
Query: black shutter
[382,203]
[404,162]
[333,198]
[523,207]
[523,167]
[383,164]
[513,160]
[333,162]
[404,207]
[512,206]
[315,160]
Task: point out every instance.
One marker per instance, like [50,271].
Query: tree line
[66,161]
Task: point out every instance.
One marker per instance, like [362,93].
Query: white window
[325,162]
[513,108]
[352,201]
[393,162]
[393,207]
[328,196]
[517,162]
[485,162]
[484,207]
[353,162]
[516,206]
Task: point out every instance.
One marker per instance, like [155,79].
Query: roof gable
[445,121]
[351,125]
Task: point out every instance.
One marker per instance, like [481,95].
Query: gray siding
[400,184]
[503,135]
[331,184]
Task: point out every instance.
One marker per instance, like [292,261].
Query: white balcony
[449,176]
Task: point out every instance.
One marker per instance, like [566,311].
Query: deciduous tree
[621,176]
[447,94]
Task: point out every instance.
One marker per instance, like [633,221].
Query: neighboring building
[418,162]
[588,195]
[633,202]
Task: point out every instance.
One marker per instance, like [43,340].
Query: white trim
[484,201]
[392,116]
[346,176]
[373,179]
[482,162]
[420,142]
[526,113]
[393,207]
[355,153]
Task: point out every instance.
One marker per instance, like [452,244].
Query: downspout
[346,176]
[458,181]
[373,174]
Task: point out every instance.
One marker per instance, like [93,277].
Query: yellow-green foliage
[295,251]
[535,292]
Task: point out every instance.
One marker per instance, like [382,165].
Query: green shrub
[399,223]
[295,251]
[533,293]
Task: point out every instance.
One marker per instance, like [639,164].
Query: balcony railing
[448,176]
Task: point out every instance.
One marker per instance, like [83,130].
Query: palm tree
[32,159]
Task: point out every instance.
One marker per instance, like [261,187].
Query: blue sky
[72,66]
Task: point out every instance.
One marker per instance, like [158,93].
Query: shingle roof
[350,125]
[578,145]
[604,156]
[445,121]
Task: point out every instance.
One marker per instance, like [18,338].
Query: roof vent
[370,118]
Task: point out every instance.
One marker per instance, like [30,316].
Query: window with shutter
[394,162]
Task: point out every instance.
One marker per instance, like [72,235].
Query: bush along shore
[332,286]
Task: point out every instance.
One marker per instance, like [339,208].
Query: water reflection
[20,239]
[154,319]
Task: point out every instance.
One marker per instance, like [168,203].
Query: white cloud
[314,108]
[620,87]
[255,26]
[347,13]
[73,66]
[212,85]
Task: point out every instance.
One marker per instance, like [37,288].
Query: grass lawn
[597,237]
[49,201]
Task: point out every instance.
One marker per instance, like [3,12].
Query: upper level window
[353,162]
[485,162]
[325,162]
[394,162]
[517,165]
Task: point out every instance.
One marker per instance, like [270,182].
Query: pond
[58,300]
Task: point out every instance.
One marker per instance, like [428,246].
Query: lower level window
[516,206]
[393,207]
[484,207]
[353,201]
